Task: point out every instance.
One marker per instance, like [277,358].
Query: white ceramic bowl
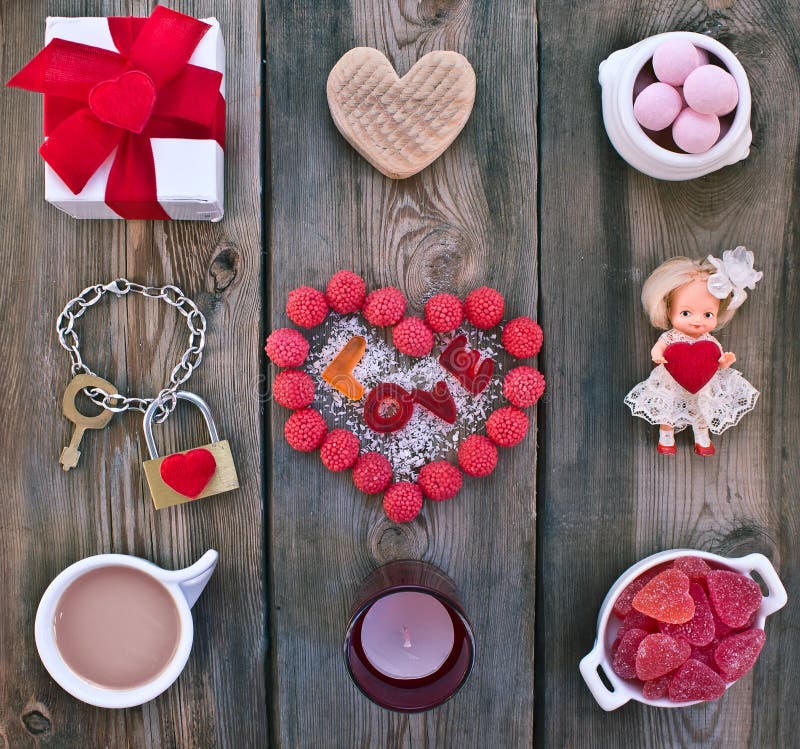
[617,76]
[184,586]
[623,691]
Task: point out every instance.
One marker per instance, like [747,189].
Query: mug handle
[777,597]
[606,698]
[191,580]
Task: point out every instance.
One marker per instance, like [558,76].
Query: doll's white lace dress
[720,404]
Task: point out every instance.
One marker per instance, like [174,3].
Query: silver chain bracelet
[166,399]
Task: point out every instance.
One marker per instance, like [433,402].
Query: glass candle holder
[409,647]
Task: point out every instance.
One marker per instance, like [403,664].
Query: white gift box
[189,173]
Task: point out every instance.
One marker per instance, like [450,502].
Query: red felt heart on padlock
[692,365]
[188,473]
[126,101]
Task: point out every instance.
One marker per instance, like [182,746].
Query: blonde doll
[690,298]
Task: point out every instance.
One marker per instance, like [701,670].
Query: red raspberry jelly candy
[659,654]
[622,606]
[695,681]
[438,401]
[624,662]
[693,567]
[657,688]
[734,597]
[635,620]
[737,654]
[388,407]
[666,598]
[699,630]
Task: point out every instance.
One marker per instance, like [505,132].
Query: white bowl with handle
[617,75]
[608,624]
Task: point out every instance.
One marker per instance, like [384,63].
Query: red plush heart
[188,473]
[126,101]
[692,365]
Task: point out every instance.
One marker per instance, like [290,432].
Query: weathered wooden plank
[50,518]
[470,218]
[606,497]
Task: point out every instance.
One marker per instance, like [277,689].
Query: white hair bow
[735,273]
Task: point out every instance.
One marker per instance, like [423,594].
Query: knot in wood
[36,723]
[224,268]
[390,541]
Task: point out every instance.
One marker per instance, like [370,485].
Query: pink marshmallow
[711,90]
[643,80]
[725,123]
[674,59]
[657,106]
[702,56]
[664,139]
[695,132]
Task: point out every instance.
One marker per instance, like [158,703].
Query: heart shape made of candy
[692,365]
[126,101]
[188,473]
[407,407]
[400,125]
[666,598]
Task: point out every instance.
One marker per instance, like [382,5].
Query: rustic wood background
[530,198]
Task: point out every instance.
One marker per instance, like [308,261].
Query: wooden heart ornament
[188,473]
[400,125]
[692,365]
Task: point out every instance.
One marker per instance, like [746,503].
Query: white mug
[618,73]
[600,657]
[184,586]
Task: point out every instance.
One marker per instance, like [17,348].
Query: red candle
[409,647]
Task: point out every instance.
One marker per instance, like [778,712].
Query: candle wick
[406,637]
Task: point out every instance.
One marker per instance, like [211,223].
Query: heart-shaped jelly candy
[734,597]
[635,620]
[666,598]
[737,654]
[622,606]
[659,654]
[693,567]
[696,681]
[699,630]
[624,662]
[657,688]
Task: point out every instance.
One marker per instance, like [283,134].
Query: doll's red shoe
[666,449]
[704,451]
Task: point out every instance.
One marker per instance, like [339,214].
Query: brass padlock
[194,474]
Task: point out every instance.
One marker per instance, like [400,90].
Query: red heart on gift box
[188,473]
[126,101]
[692,365]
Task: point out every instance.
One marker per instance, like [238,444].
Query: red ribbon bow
[97,101]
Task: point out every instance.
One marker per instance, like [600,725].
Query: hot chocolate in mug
[115,630]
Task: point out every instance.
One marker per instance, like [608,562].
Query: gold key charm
[198,473]
[70,454]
